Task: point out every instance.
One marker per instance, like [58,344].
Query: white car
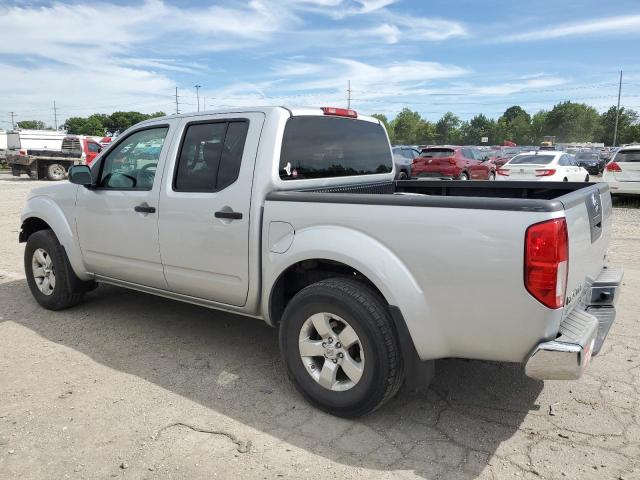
[622,173]
[547,165]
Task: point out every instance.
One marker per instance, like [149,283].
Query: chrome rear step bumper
[581,335]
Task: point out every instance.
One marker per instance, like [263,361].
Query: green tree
[33,125]
[514,112]
[405,127]
[73,125]
[92,126]
[538,127]
[471,132]
[447,129]
[626,120]
[426,133]
[573,122]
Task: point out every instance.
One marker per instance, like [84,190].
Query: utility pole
[55,115]
[349,94]
[198,95]
[177,106]
[13,124]
[615,130]
[204,103]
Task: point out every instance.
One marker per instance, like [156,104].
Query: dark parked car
[591,162]
[453,163]
[403,158]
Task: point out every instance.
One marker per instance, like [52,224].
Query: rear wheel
[50,277]
[492,176]
[56,171]
[463,176]
[340,347]
[565,179]
[402,175]
[586,179]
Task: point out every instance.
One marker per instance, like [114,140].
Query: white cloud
[615,25]
[509,88]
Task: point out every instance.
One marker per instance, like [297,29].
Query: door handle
[144,208]
[231,215]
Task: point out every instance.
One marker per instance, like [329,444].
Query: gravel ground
[127,385]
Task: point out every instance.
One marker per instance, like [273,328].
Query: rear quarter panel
[455,274]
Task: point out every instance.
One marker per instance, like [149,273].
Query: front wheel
[340,347]
[463,176]
[50,277]
[55,171]
[565,179]
[402,175]
[492,176]
[586,179]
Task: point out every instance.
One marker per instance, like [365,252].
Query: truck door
[117,221]
[204,207]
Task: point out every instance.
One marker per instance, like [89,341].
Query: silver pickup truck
[292,216]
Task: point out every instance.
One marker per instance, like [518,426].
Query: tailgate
[588,213]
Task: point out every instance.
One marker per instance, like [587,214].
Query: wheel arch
[43,213]
[314,256]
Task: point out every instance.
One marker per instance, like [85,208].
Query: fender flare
[376,262]
[45,209]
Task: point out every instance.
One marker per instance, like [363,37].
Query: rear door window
[325,147]
[210,156]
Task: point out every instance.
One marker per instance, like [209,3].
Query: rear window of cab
[326,147]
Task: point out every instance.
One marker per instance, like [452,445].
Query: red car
[453,163]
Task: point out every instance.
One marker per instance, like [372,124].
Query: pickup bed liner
[518,196]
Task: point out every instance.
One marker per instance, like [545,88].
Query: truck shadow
[231,364]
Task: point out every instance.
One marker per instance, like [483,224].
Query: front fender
[47,210]
[372,259]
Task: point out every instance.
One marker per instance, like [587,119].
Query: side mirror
[80,175]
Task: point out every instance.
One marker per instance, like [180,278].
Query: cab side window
[210,156]
[94,147]
[131,165]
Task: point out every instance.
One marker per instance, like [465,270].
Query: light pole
[198,95]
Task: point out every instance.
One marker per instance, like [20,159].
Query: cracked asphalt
[127,385]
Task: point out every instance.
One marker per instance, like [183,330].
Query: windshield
[324,147]
[532,160]
[437,152]
[628,156]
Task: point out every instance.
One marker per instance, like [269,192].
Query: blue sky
[468,56]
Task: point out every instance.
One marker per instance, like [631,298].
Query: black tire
[367,313]
[56,171]
[565,179]
[492,176]
[463,176]
[33,174]
[586,179]
[403,175]
[16,171]
[68,289]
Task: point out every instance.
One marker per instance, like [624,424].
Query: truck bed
[518,196]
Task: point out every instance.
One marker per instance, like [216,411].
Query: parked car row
[622,172]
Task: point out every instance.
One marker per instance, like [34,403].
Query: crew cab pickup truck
[292,216]
[50,164]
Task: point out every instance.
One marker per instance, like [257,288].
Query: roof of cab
[293,111]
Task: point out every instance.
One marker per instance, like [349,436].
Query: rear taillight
[613,167]
[545,172]
[505,172]
[546,261]
[340,112]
